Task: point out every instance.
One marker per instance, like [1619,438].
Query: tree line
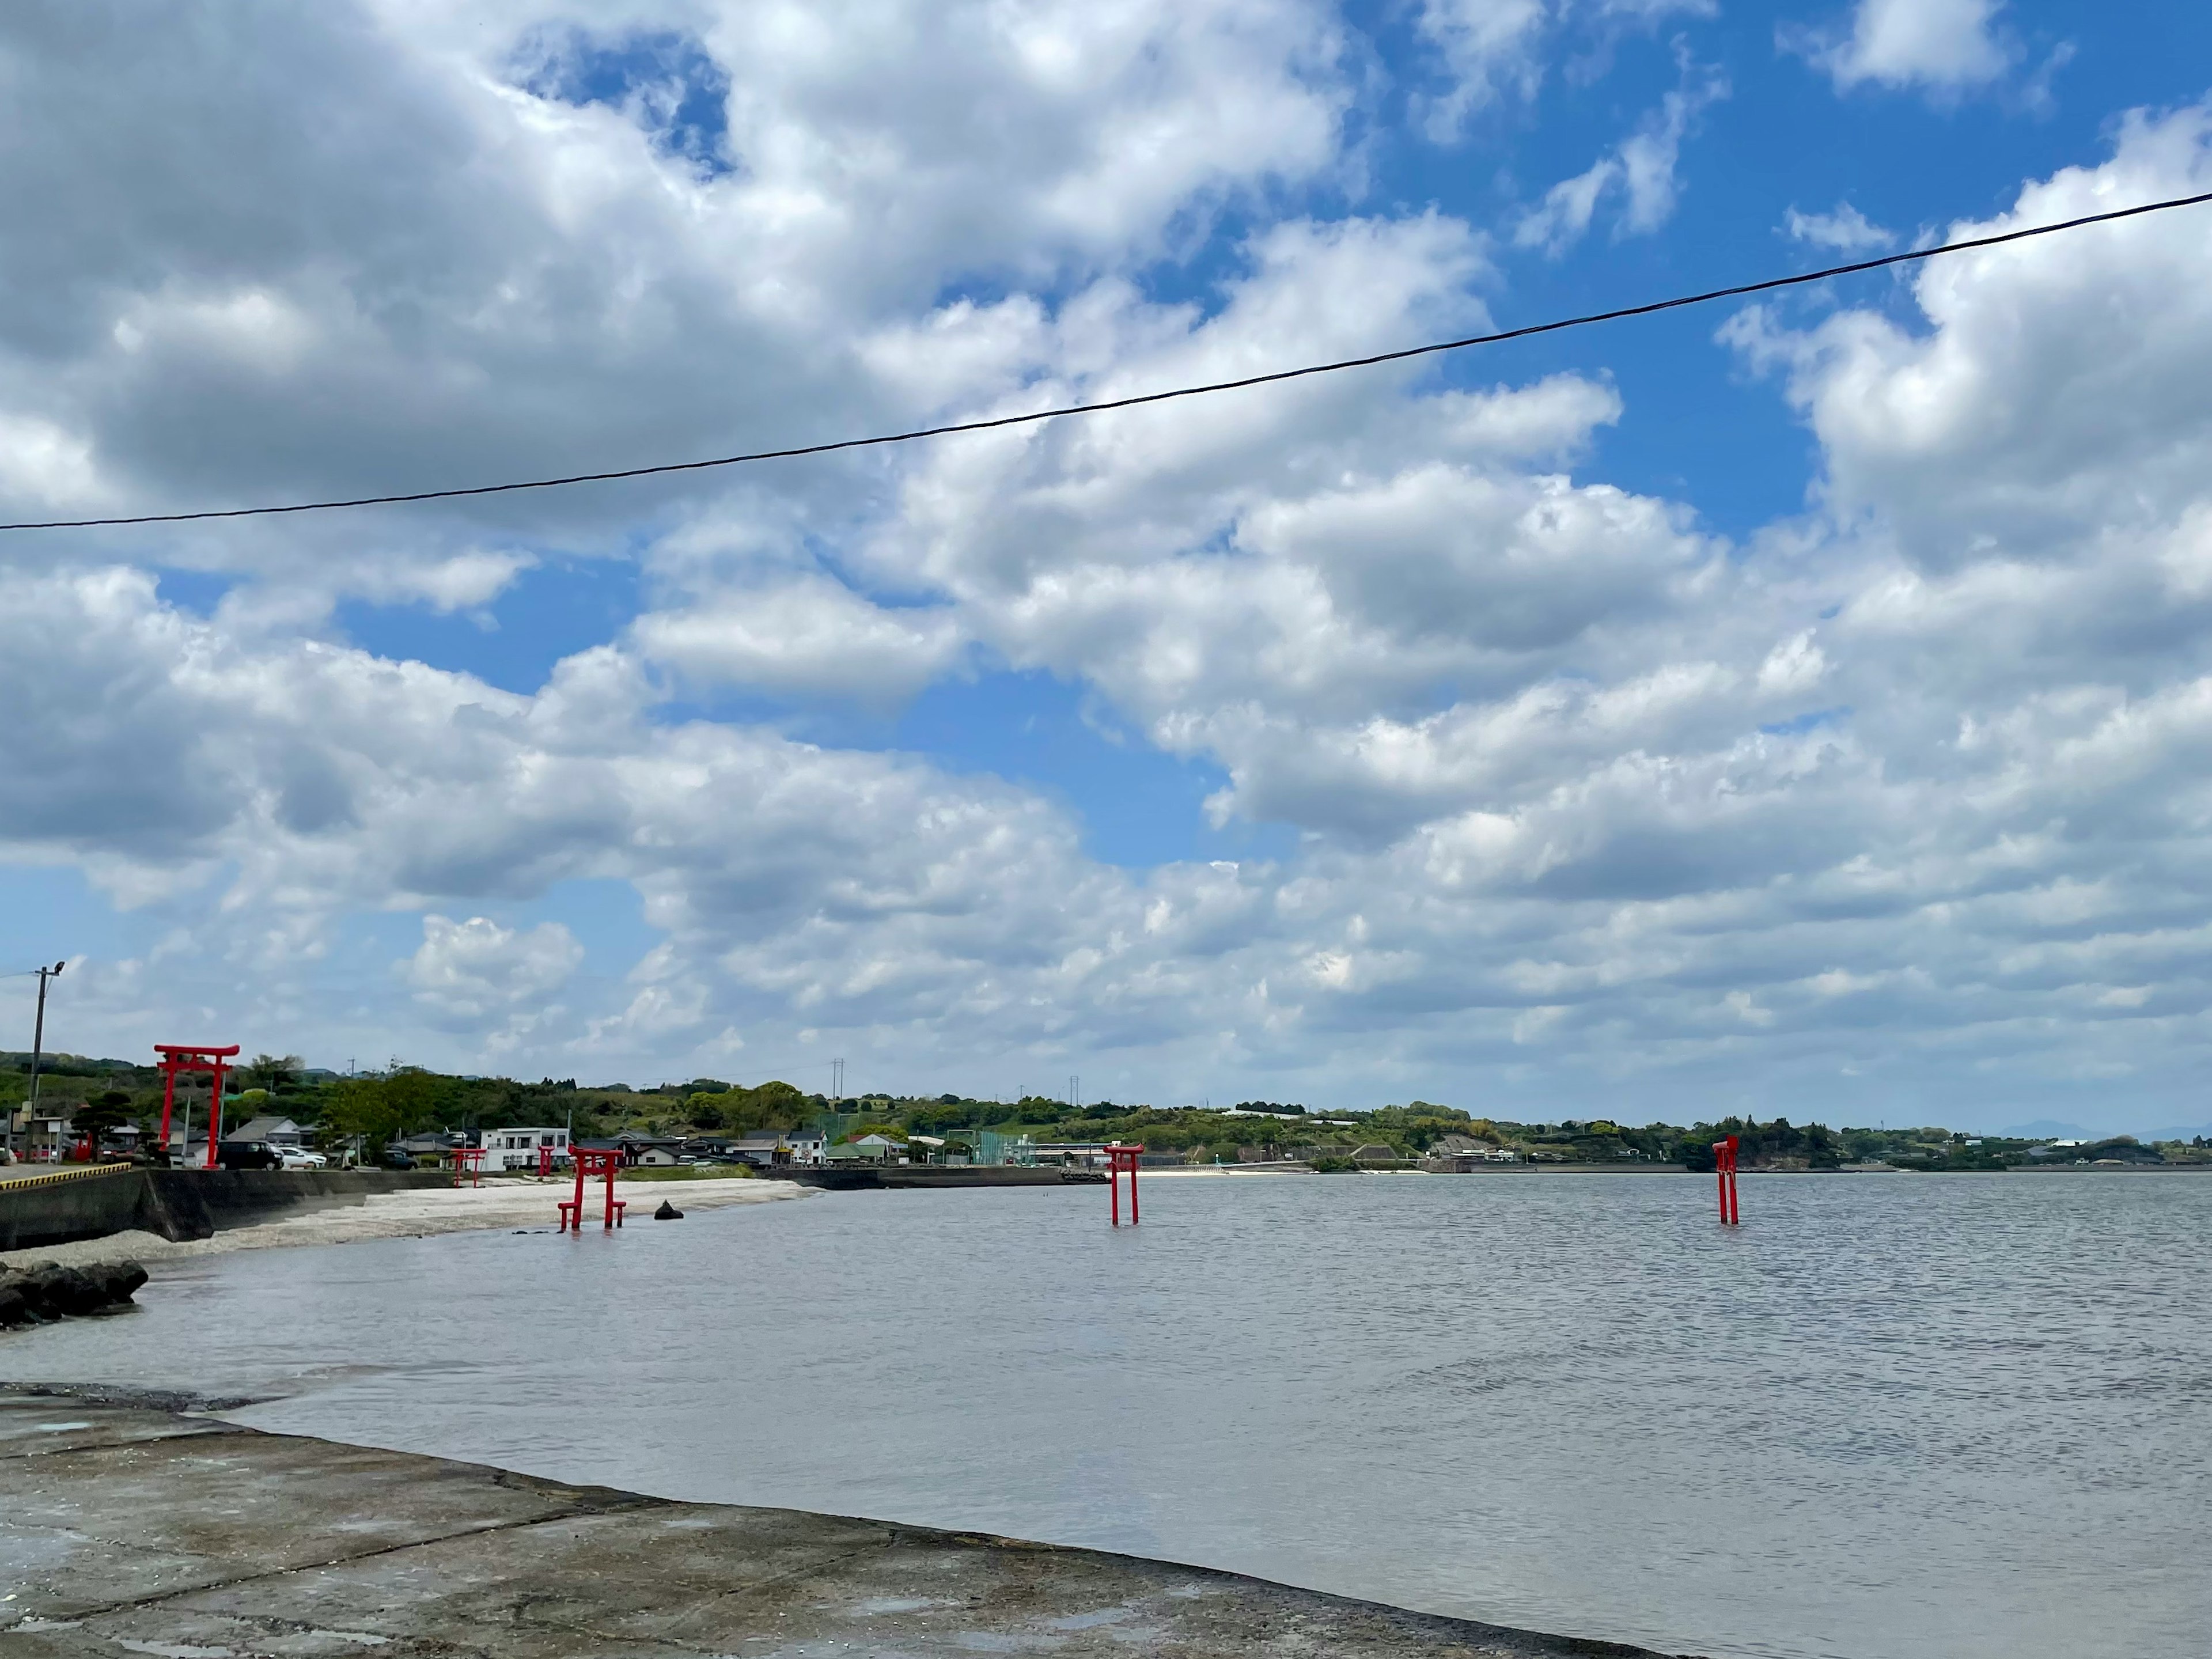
[405,1100]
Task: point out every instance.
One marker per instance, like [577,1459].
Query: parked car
[396,1157]
[300,1158]
[247,1155]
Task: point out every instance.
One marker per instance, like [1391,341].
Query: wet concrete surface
[127,1528]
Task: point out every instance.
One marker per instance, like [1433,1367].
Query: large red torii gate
[194,1057]
[1119,1157]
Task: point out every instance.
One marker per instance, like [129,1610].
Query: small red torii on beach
[592,1161]
[194,1057]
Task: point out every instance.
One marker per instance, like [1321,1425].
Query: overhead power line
[1765,285]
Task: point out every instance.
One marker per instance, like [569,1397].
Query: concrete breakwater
[59,1205]
[134,1527]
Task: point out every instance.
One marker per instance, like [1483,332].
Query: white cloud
[363,254]
[1494,51]
[1580,800]
[464,971]
[462,581]
[1641,170]
[1563,218]
[808,636]
[45,464]
[1488,47]
[1943,44]
[1846,230]
[1995,435]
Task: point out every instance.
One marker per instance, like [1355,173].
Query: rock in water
[668,1212]
[118,1280]
[54,1289]
[49,1290]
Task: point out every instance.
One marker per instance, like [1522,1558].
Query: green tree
[704,1111]
[773,1105]
[271,1071]
[103,1115]
[382,1110]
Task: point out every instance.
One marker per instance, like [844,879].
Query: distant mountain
[2179,1134]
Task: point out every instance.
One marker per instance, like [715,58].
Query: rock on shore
[50,1290]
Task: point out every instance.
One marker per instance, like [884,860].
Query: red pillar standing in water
[1724,1171]
[1118,1158]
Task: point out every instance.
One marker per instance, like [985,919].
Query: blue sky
[1748,708]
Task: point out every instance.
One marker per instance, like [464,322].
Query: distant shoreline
[420,1212]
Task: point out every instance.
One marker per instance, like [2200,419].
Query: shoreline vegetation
[367,1111]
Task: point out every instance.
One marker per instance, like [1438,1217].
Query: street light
[37,1046]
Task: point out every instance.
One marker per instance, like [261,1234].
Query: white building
[768,1147]
[518,1149]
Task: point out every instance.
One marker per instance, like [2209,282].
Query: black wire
[1735,292]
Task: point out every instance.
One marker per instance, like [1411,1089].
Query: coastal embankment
[137,1527]
[56,1205]
[388,1210]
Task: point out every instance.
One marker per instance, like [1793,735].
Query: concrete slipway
[127,1529]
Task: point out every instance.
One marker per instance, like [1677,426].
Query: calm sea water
[1890,1416]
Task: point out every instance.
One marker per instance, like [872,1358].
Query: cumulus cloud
[465,970]
[807,636]
[1586,804]
[382,242]
[1944,46]
[1846,230]
[1493,51]
[1488,47]
[1640,169]
[1983,439]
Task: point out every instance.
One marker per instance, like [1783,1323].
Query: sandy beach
[413,1214]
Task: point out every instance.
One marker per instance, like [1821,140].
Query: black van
[247,1155]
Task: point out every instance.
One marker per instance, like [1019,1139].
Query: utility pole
[38,1048]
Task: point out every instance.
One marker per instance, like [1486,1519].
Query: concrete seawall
[61,1206]
[134,1528]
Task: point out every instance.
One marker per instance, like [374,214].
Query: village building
[770,1147]
[521,1148]
[277,1131]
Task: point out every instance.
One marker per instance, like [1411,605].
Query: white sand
[417,1214]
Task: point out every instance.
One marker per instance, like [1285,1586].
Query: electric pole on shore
[37,1049]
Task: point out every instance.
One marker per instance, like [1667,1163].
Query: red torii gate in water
[1119,1157]
[592,1160]
[1724,1164]
[194,1057]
